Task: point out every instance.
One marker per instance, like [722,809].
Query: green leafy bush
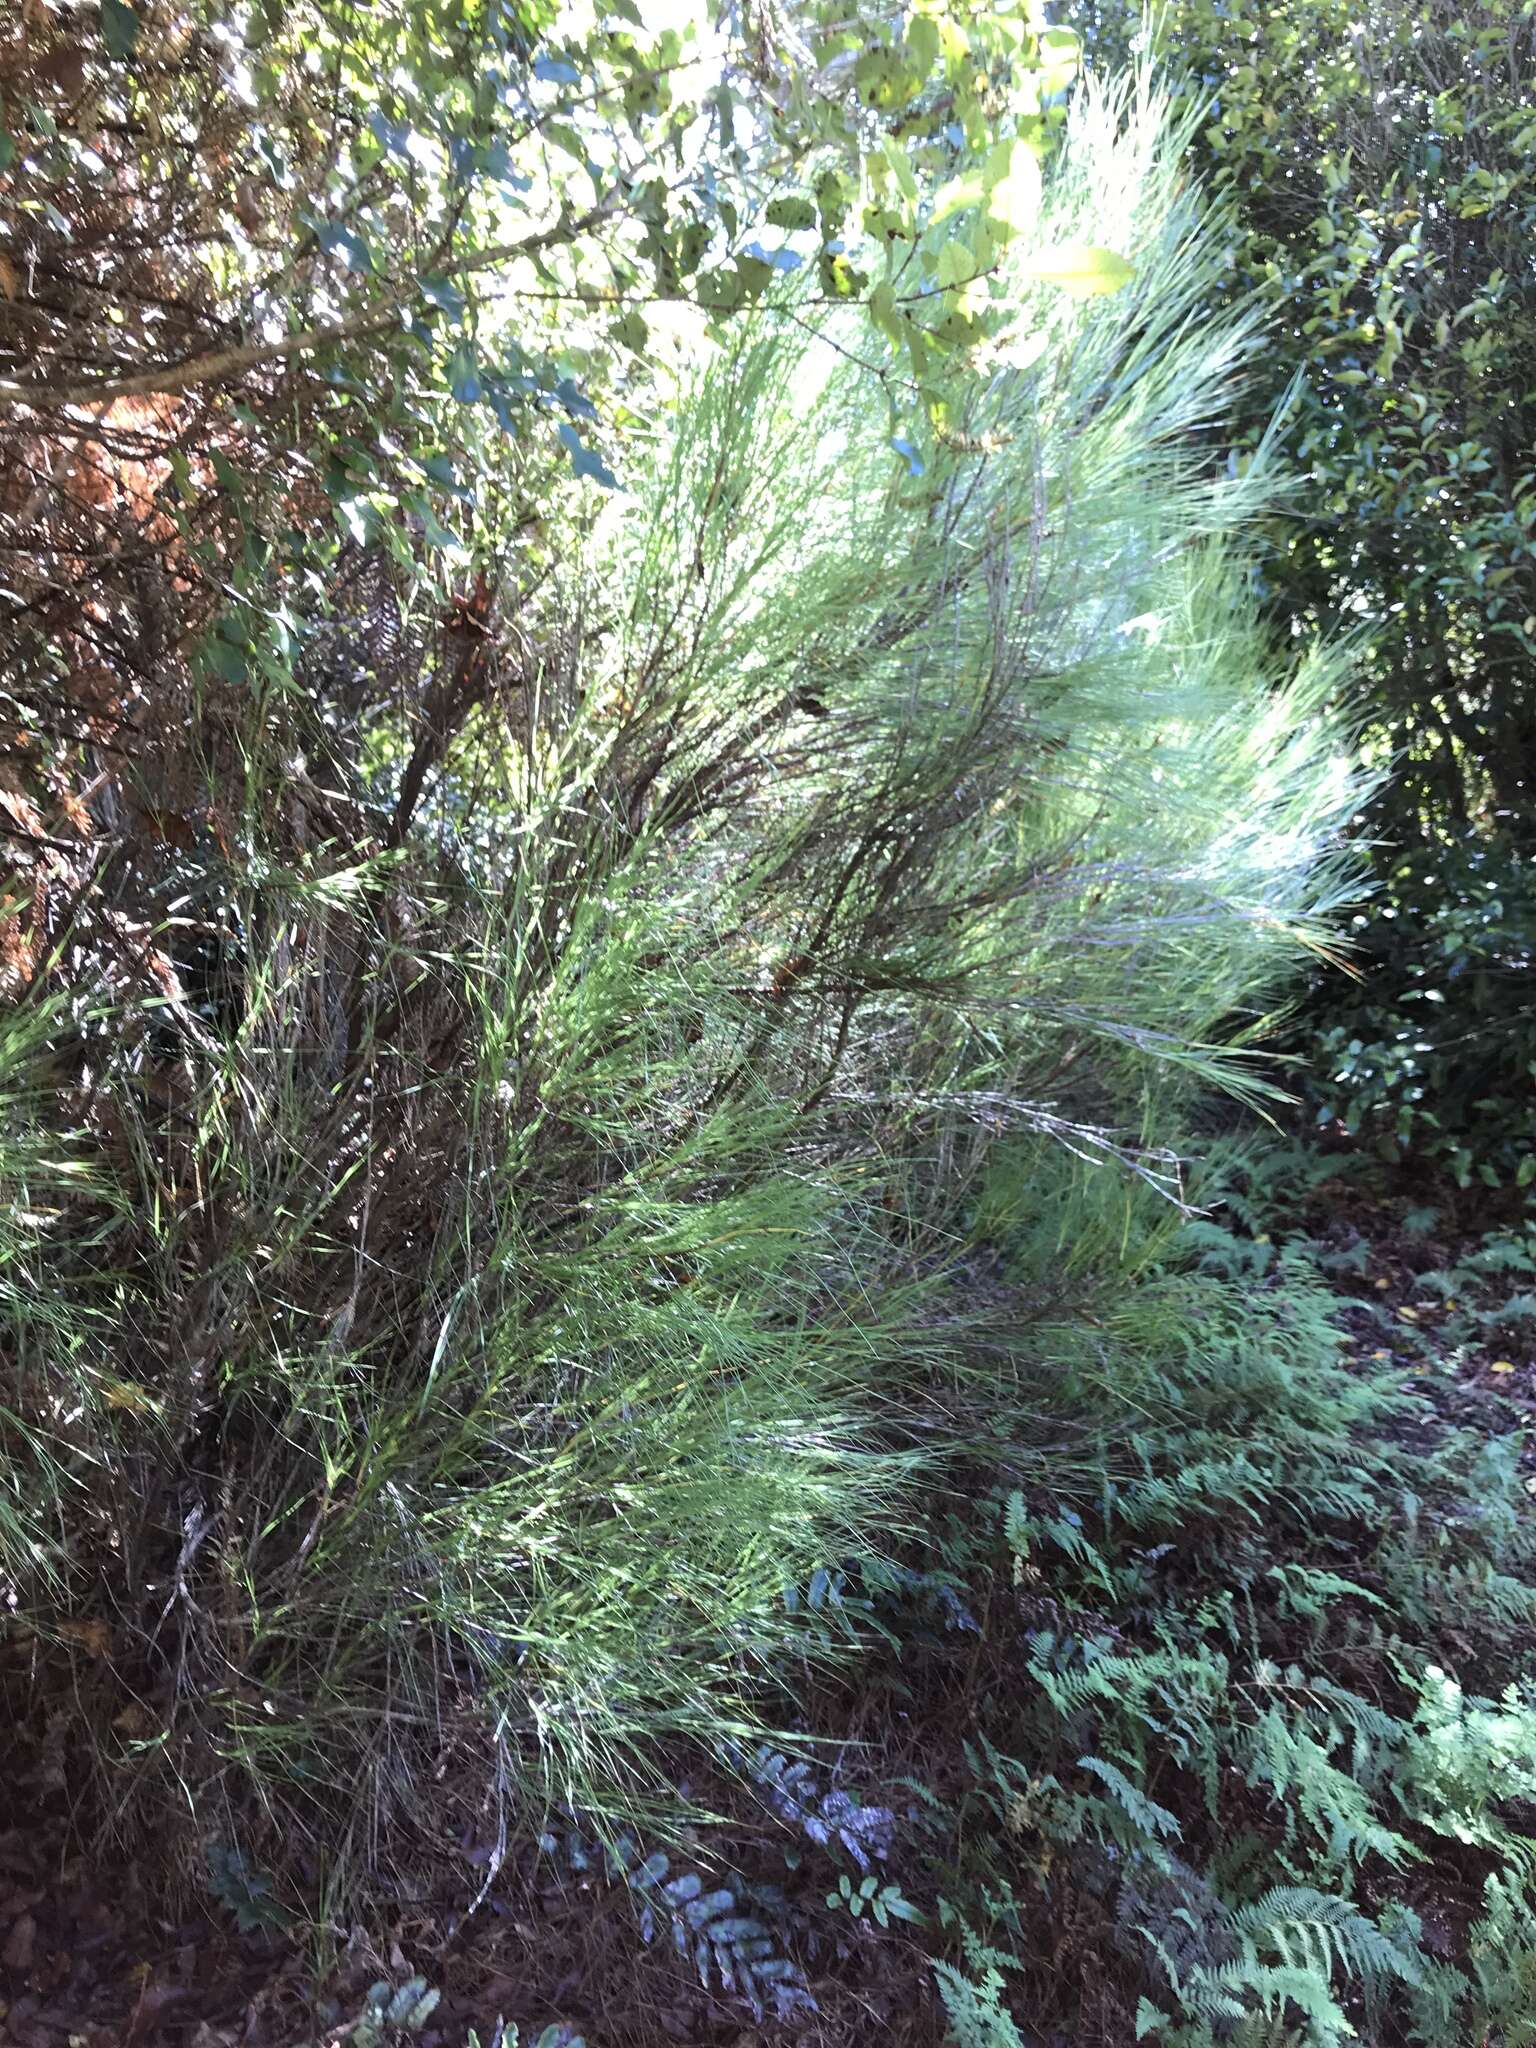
[1379,161]
[1430,1054]
[532,1256]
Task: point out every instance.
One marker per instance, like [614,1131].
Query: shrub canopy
[518,1096]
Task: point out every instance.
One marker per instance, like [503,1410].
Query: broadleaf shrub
[1429,1053]
[1380,164]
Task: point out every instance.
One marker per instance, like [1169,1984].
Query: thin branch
[219,364]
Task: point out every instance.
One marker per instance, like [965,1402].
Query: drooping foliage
[215,195]
[513,1121]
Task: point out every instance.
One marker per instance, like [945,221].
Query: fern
[711,1926]
[1312,1931]
[1248,1554]
[1147,1822]
[973,1998]
[866,1832]
[243,1890]
[1289,1948]
[1285,1754]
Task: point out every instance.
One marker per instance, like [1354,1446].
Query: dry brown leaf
[8,279]
[19,1944]
[170,828]
[94,1637]
[248,204]
[153,2000]
[21,811]
[64,67]
[129,1396]
[75,812]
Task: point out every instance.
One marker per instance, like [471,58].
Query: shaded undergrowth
[1243,1687]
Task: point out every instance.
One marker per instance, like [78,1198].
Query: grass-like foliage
[510,1159]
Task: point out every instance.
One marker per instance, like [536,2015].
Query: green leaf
[883,81]
[631,331]
[957,263]
[436,535]
[923,43]
[243,1891]
[232,664]
[119,28]
[791,214]
[340,240]
[444,294]
[831,196]
[564,136]
[1082,269]
[393,136]
[442,472]
[882,310]
[585,461]
[903,1909]
[901,169]
[463,374]
[956,195]
[228,475]
[1014,201]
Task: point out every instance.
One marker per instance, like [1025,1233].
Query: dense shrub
[512,1117]
[1428,1050]
[1378,159]
[578,1085]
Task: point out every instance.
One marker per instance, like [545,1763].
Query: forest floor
[91,1956]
